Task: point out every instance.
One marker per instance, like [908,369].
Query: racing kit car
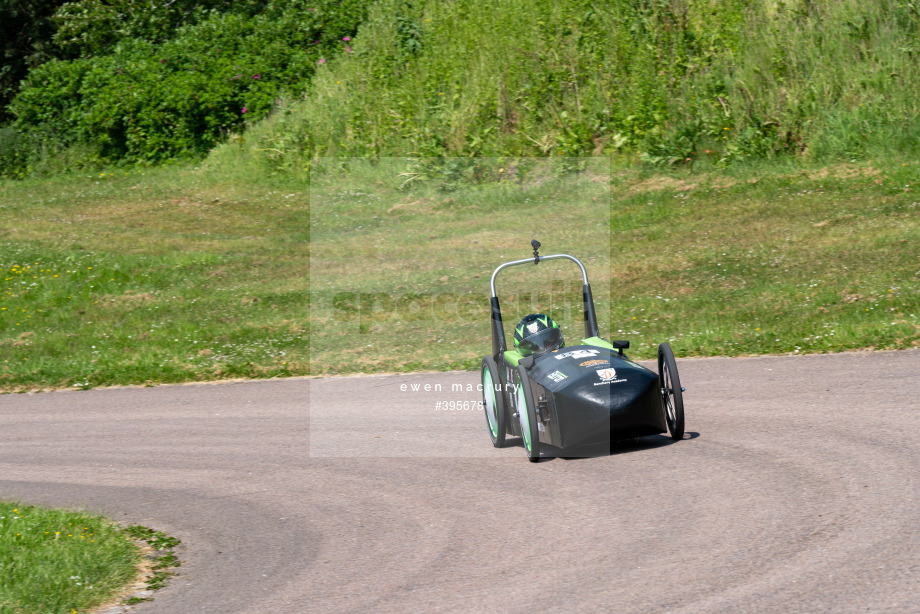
[570,396]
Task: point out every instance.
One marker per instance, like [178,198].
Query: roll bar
[498,332]
[584,274]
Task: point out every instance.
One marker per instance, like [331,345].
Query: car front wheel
[527,414]
[672,396]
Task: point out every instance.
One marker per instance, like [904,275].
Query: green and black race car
[573,396]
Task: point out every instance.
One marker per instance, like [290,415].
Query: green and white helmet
[537,334]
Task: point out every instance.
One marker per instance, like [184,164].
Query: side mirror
[620,346]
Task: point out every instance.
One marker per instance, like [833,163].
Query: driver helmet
[537,334]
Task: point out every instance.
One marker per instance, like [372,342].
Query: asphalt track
[795,490]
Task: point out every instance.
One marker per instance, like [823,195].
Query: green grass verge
[400,273]
[61,562]
[152,277]
[761,260]
[175,275]
[820,260]
[164,559]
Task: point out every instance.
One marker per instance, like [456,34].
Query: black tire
[527,415]
[493,402]
[672,396]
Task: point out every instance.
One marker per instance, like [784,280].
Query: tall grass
[670,81]
[824,79]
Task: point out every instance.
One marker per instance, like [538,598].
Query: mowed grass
[756,261]
[819,260]
[61,562]
[160,276]
[400,274]
[176,275]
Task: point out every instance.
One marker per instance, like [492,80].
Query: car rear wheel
[672,396]
[527,414]
[493,401]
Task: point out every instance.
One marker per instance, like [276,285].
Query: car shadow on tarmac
[624,446]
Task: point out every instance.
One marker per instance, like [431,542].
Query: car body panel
[589,394]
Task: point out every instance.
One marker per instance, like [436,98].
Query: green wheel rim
[489,398]
[523,416]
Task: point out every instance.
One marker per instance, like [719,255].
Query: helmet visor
[546,340]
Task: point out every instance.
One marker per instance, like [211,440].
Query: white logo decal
[557,376]
[578,354]
[533,327]
[607,374]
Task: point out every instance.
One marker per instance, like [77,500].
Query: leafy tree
[26,40]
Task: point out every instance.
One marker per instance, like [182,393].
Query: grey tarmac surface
[795,490]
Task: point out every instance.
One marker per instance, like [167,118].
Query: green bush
[94,27]
[151,102]
[14,153]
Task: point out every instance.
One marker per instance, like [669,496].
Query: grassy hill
[664,82]
[667,82]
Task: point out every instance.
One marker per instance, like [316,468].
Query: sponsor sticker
[578,354]
[557,376]
[608,376]
[591,363]
[533,327]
